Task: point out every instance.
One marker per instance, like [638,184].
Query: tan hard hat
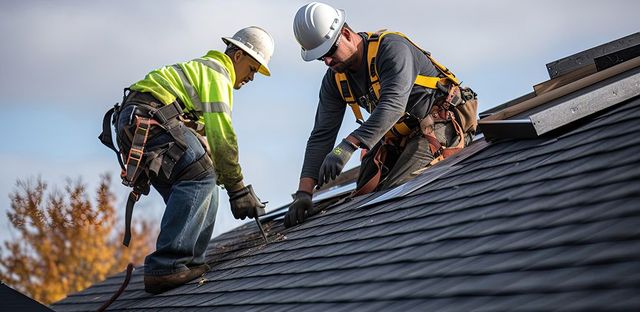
[256,42]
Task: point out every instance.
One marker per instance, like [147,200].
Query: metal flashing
[604,95]
[573,62]
[518,128]
[586,104]
[562,91]
[429,175]
[404,189]
[334,191]
[616,58]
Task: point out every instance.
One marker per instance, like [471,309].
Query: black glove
[335,161]
[245,203]
[298,209]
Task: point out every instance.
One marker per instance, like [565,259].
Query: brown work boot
[155,284]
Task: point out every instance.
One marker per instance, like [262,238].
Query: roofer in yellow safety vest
[159,129]
[419,114]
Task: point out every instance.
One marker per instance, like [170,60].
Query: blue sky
[65,62]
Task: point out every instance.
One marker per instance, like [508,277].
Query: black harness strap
[117,294]
[134,158]
[196,169]
[140,163]
[133,198]
[105,137]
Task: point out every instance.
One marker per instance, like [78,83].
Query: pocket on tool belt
[446,133]
[161,161]
[467,112]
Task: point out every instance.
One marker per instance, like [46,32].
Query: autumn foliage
[64,243]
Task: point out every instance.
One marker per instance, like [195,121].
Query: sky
[64,63]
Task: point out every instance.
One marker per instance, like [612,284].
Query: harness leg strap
[136,152]
[371,185]
[133,198]
[137,169]
[105,137]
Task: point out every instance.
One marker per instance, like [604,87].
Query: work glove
[245,203]
[298,209]
[335,161]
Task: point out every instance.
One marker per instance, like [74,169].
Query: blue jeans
[189,217]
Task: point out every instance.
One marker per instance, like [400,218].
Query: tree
[65,243]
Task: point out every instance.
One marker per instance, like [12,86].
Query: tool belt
[139,165]
[457,107]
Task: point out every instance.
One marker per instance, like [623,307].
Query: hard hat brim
[317,52]
[264,69]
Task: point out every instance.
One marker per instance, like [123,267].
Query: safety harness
[139,164]
[442,110]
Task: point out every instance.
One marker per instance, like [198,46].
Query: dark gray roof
[513,225]
[541,224]
[13,300]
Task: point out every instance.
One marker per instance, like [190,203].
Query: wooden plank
[513,102]
[564,90]
[564,79]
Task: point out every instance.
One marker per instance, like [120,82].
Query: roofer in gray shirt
[419,114]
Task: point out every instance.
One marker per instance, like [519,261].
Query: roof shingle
[548,223]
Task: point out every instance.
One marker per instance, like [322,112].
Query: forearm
[307,185]
[321,140]
[224,150]
[227,167]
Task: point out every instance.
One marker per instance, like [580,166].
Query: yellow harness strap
[347,95]
[424,81]
[430,82]
[372,51]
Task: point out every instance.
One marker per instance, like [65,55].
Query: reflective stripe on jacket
[204,86]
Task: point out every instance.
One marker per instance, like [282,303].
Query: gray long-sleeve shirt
[398,63]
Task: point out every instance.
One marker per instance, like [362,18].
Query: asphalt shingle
[544,224]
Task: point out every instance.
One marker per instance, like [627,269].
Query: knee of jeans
[422,149]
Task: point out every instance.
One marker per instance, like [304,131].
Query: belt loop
[178,108]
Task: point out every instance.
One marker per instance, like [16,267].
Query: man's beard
[348,65]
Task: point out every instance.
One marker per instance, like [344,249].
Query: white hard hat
[316,27]
[256,42]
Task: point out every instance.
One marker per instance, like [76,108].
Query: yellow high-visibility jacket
[204,86]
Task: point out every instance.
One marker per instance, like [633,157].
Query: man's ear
[237,55]
[346,33]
